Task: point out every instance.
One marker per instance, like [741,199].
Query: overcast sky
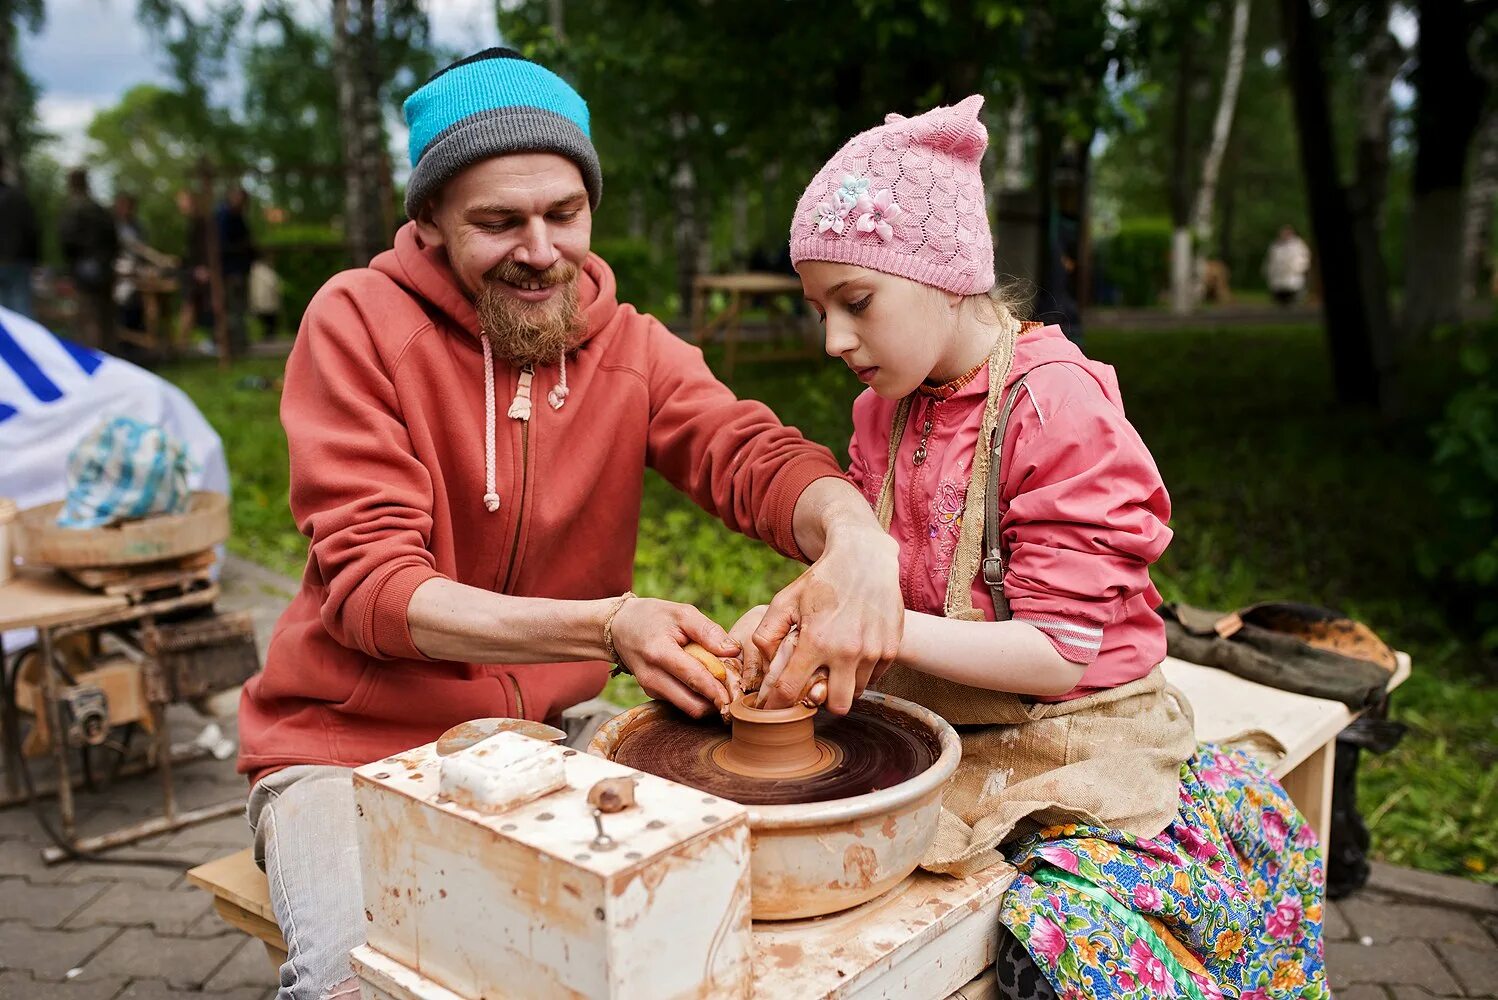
[91,51]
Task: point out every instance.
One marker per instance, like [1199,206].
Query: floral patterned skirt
[1225,903]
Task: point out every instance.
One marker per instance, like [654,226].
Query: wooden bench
[1225,707]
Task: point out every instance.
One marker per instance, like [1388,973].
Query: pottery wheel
[867,750]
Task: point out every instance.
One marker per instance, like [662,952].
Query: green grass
[1277,493]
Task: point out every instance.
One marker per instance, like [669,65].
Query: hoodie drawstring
[558,395]
[491,498]
[520,409]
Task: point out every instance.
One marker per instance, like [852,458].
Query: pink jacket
[1084,508]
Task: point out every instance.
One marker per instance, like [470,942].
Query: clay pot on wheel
[812,858]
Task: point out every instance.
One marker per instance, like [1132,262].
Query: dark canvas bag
[1294,647]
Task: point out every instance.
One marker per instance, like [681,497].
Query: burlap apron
[1110,759]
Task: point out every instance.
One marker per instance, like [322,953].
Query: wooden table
[159,333]
[781,293]
[57,606]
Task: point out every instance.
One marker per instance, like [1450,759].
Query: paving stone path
[123,932]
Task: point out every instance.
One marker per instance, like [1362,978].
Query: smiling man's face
[516,230]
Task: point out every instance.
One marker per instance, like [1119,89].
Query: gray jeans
[307,842]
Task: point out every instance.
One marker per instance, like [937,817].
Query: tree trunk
[688,233]
[1382,59]
[356,70]
[1012,176]
[1355,309]
[1477,215]
[375,157]
[1451,96]
[10,95]
[1180,177]
[1222,127]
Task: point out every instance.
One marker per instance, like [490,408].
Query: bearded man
[469,419]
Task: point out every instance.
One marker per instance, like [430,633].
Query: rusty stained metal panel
[476,903]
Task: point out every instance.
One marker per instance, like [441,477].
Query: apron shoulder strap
[993,549]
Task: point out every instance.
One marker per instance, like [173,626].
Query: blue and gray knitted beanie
[492,103]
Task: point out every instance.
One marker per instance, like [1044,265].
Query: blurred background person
[90,245]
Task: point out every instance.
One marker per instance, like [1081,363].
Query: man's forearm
[827,507]
[453,621]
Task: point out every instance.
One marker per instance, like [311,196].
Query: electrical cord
[13,737]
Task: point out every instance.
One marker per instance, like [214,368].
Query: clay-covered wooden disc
[876,749]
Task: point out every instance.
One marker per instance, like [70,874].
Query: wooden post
[215,262]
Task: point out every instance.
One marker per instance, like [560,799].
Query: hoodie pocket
[426,696]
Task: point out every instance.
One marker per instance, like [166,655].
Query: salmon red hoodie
[384,406]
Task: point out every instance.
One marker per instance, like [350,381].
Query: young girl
[1028,512]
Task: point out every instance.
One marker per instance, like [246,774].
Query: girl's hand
[751,663]
[756,673]
[850,615]
[649,636]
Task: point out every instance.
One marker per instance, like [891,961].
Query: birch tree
[1477,216]
[1222,127]
[356,68]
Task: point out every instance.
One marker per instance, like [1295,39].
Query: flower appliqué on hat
[851,190]
[876,213]
[833,217]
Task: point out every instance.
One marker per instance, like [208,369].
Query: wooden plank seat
[1295,734]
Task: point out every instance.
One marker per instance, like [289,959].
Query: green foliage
[1136,260]
[643,273]
[1462,549]
[304,256]
[150,144]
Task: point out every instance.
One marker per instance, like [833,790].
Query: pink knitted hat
[905,198]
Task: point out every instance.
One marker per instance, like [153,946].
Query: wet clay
[773,743]
[466,734]
[871,748]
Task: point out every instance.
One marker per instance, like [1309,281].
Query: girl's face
[892,332]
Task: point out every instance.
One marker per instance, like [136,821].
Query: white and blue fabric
[54,393]
[125,469]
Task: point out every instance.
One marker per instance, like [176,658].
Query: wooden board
[100,577]
[925,938]
[236,879]
[39,598]
[1226,705]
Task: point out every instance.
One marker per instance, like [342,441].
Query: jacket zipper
[525,474]
[917,460]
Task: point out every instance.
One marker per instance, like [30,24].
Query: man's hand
[649,636]
[849,614]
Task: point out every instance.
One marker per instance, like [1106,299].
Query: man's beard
[526,333]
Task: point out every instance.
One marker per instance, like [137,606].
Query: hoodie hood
[425,272]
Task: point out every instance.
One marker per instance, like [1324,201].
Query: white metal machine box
[523,891]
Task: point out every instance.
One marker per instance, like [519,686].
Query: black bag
[1294,647]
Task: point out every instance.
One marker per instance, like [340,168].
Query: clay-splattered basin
[807,860]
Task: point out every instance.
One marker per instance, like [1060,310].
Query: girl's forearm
[998,656]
